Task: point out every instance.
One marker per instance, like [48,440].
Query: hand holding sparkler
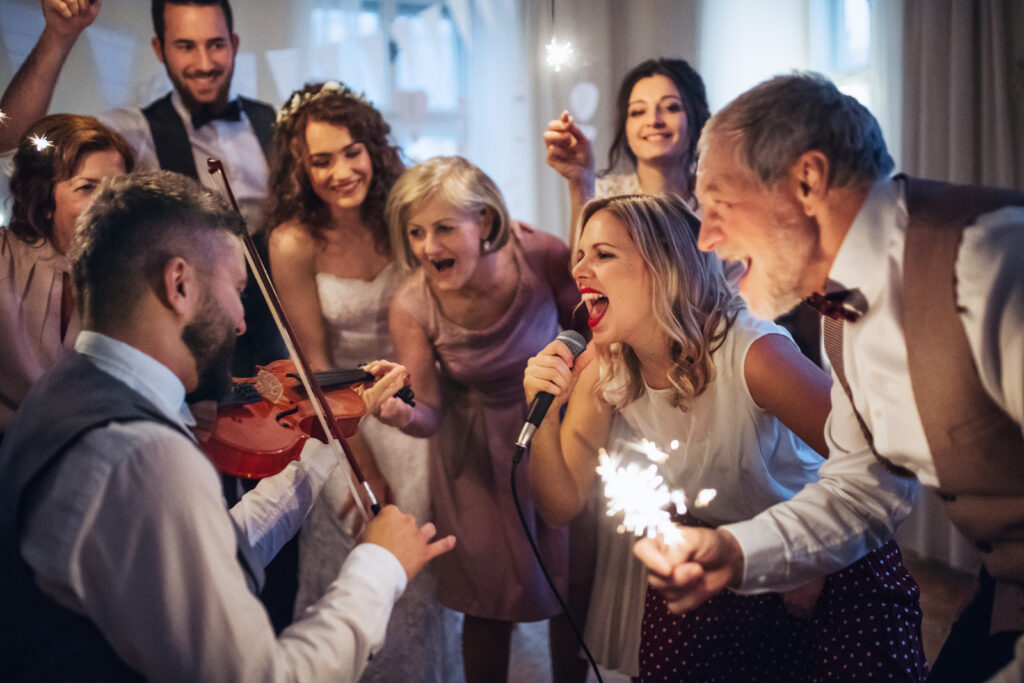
[700,564]
[687,564]
[569,152]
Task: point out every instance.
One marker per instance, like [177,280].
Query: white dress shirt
[857,503]
[233,142]
[130,530]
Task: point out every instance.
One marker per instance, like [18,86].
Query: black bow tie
[845,304]
[232,112]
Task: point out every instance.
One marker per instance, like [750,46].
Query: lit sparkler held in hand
[559,54]
[645,498]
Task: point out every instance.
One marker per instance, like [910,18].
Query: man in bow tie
[923,287]
[197,120]
[196,43]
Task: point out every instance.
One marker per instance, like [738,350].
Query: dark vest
[977,448]
[39,639]
[261,344]
[170,137]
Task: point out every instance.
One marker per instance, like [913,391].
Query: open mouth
[443,264]
[206,76]
[597,305]
[735,269]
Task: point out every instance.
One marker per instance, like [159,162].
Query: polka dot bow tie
[844,304]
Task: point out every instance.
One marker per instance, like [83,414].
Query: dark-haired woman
[660,108]
[57,166]
[331,171]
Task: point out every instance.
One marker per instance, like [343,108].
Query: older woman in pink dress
[483,294]
[58,165]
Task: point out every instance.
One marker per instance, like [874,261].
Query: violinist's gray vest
[39,639]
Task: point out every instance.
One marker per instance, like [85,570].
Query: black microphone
[542,401]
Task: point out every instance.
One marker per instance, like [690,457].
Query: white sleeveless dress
[422,640]
[725,442]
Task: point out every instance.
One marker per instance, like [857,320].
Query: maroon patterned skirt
[866,625]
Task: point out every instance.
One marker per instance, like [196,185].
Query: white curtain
[959,96]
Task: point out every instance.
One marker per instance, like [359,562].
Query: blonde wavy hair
[692,302]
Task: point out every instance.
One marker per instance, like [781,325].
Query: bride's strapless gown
[422,641]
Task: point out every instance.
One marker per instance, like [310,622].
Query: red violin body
[266,421]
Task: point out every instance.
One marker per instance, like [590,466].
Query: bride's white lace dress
[422,642]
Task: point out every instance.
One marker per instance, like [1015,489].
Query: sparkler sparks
[3,117]
[643,495]
[559,55]
[40,142]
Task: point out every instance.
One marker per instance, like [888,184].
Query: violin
[264,422]
[318,409]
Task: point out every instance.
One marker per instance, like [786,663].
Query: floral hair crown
[300,98]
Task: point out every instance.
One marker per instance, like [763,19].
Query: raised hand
[68,18]
[569,151]
[27,97]
[410,543]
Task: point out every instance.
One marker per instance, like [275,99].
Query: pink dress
[492,572]
[31,286]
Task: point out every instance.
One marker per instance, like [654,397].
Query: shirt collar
[143,373]
[866,244]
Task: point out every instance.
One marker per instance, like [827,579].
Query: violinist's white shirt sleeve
[130,529]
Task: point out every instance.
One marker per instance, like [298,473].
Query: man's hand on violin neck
[390,379]
[411,544]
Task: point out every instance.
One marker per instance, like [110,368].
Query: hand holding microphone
[548,374]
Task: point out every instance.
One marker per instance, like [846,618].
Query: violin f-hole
[285,413]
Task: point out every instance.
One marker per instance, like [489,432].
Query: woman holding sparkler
[57,167]
[660,107]
[736,408]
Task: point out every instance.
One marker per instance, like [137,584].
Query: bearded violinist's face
[211,335]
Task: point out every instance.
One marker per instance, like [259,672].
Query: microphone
[542,401]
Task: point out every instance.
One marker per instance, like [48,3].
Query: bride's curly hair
[692,302]
[291,193]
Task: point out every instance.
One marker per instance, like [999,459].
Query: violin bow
[309,381]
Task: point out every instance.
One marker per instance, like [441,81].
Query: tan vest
[977,448]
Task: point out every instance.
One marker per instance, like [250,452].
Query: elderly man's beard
[211,339]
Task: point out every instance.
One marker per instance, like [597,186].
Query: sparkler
[3,117]
[643,496]
[40,142]
[558,54]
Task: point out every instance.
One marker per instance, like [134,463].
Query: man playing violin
[118,558]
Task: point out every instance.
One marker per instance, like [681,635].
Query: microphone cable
[551,582]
